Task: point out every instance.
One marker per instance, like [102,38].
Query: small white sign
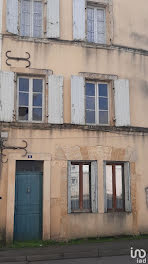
[4,134]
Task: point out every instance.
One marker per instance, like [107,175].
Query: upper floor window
[30,99]
[96,103]
[96,25]
[31,18]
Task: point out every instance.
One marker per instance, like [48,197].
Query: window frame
[113,164]
[81,210]
[96,6]
[97,82]
[31,19]
[30,102]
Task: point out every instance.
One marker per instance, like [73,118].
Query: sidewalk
[88,250]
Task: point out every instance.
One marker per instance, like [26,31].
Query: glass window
[96,103]
[30,99]
[80,186]
[31,18]
[115,187]
[96,25]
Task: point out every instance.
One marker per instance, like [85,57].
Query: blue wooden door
[28,206]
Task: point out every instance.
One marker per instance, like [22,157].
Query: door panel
[28,206]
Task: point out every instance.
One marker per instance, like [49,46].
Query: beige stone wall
[77,144]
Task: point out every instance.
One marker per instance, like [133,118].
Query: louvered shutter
[77,100]
[122,102]
[6,96]
[55,99]
[53,19]
[127,187]
[79,19]
[12,16]
[94,186]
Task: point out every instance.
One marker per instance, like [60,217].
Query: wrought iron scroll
[17,58]
[3,147]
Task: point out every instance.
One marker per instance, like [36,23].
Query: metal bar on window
[114,186]
[81,186]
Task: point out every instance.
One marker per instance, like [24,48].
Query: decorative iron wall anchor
[18,58]
[3,147]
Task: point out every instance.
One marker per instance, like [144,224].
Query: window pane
[23,99]
[103,117]
[37,99]
[90,89]
[74,187]
[23,84]
[103,89]
[90,103]
[103,103]
[90,24]
[119,187]
[37,114]
[86,192]
[37,19]
[90,117]
[100,15]
[23,113]
[37,85]
[25,18]
[109,187]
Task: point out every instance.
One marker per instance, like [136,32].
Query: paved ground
[93,253]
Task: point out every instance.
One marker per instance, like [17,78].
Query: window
[96,24]
[96,103]
[82,186]
[31,18]
[30,99]
[115,187]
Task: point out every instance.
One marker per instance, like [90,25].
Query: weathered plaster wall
[76,144]
[69,59]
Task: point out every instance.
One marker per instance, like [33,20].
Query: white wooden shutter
[55,99]
[69,186]
[127,182]
[79,19]
[77,100]
[122,103]
[6,96]
[12,16]
[53,19]
[94,186]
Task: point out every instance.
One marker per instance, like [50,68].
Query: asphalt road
[104,260]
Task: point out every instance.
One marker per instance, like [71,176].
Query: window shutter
[77,100]
[53,19]
[105,195]
[122,104]
[69,186]
[6,96]
[12,16]
[79,19]
[25,22]
[1,9]
[94,186]
[127,180]
[55,99]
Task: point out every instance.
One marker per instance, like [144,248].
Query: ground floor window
[82,186]
[117,183]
